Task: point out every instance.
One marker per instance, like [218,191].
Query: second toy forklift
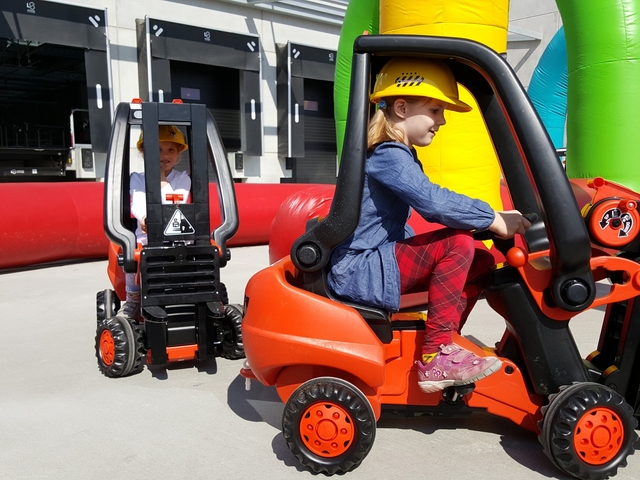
[185,314]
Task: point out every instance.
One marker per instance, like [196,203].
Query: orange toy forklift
[339,366]
[184,305]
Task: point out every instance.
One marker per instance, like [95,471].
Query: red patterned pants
[446,264]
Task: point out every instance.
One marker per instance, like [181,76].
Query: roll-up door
[55,29]
[98,99]
[200,65]
[306,125]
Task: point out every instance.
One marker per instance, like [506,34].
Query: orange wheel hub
[598,436]
[327,429]
[107,347]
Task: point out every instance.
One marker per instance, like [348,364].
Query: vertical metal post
[112,107]
[289,119]
[149,75]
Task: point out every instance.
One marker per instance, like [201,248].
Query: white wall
[540,16]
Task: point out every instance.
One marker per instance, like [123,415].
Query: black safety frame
[527,157]
[205,148]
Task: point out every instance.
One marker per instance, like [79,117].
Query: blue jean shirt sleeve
[394,165]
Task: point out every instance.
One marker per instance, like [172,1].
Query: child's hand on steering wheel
[509,223]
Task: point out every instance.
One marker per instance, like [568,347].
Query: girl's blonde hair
[382,128]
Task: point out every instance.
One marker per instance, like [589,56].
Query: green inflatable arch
[361,16]
[603,104]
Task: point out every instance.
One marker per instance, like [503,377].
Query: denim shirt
[363,268]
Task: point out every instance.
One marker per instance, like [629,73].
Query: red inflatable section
[258,204]
[294,213]
[46,222]
[49,222]
[291,219]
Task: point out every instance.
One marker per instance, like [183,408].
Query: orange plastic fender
[286,326]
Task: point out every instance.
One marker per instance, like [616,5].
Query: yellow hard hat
[167,133]
[418,77]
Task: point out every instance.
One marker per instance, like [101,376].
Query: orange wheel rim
[107,348]
[598,436]
[327,429]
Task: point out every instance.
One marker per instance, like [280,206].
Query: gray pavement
[61,419]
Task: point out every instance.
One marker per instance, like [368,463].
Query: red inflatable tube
[49,222]
[291,219]
[46,222]
[258,204]
[294,213]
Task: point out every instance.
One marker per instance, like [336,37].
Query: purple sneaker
[131,310]
[453,366]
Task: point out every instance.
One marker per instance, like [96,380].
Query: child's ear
[400,107]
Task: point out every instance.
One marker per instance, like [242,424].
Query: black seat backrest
[379,320]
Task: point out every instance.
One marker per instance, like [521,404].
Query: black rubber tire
[107,304]
[119,347]
[232,347]
[224,295]
[561,421]
[331,393]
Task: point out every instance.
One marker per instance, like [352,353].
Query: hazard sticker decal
[178,225]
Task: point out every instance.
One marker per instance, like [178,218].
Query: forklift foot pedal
[453,395]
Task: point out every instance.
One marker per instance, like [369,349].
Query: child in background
[383,258]
[172,144]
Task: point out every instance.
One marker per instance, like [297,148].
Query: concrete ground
[61,419]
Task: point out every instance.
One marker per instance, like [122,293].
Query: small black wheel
[119,348]
[232,346]
[107,304]
[588,431]
[224,295]
[329,425]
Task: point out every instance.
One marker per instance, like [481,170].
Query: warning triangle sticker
[178,225]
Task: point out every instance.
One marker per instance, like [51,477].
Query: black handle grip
[488,235]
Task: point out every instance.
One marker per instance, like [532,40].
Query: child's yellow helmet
[167,133]
[418,77]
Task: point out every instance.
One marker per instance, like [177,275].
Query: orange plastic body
[292,336]
[535,268]
[285,348]
[182,353]
[536,272]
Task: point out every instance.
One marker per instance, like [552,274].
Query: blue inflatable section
[548,88]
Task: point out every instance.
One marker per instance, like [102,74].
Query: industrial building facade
[264,69]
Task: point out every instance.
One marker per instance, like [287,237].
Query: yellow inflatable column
[461,157]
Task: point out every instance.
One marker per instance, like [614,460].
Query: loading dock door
[184,57]
[73,26]
[219,89]
[306,122]
[319,162]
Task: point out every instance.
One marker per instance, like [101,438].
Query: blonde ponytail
[382,129]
